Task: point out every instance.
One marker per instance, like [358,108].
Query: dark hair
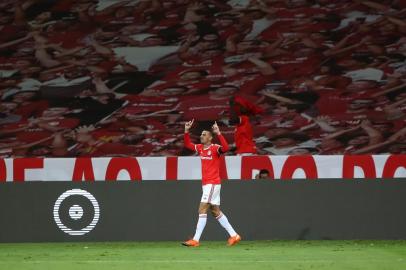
[174,112]
[264,145]
[263,171]
[366,58]
[209,131]
[300,107]
[170,34]
[305,97]
[334,68]
[132,138]
[392,95]
[204,28]
[345,138]
[37,147]
[250,11]
[330,17]
[396,56]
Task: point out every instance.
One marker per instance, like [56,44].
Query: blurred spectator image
[120,78]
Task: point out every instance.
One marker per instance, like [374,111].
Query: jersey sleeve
[223,147]
[188,142]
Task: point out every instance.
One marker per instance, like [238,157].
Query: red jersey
[244,136]
[210,157]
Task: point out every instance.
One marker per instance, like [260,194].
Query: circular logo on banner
[76,213]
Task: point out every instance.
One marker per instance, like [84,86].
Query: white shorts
[211,194]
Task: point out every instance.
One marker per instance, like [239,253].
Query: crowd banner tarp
[189,168]
[167,210]
[117,77]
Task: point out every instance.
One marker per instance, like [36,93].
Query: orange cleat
[234,240]
[191,243]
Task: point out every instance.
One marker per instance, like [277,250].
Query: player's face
[205,137]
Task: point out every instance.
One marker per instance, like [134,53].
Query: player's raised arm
[188,143]
[224,145]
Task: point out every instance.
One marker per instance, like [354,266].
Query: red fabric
[210,157]
[69,39]
[10,32]
[210,163]
[32,136]
[30,109]
[251,107]
[188,142]
[244,136]
[29,136]
[63,5]
[223,143]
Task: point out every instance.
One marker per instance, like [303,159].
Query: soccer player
[210,157]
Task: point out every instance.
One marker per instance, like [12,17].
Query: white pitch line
[197,261]
[168,261]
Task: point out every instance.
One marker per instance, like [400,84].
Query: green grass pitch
[300,255]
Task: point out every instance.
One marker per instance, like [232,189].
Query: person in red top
[240,109]
[244,141]
[210,156]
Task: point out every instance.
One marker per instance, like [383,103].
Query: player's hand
[216,129]
[188,125]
